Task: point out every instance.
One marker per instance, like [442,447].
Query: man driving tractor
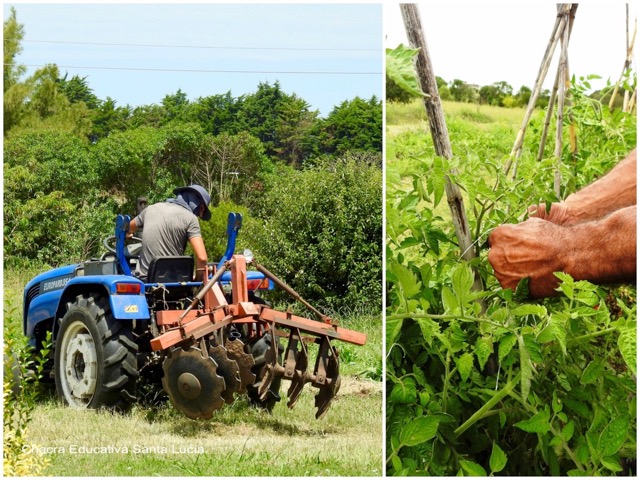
[168,226]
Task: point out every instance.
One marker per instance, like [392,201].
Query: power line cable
[302,49]
[283,72]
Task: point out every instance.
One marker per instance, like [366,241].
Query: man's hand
[559,213]
[602,251]
[528,249]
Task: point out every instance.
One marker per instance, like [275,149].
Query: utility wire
[202,46]
[203,70]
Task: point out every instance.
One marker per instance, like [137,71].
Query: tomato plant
[489,382]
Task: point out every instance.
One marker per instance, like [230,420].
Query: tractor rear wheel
[95,357]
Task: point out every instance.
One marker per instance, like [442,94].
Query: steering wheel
[131,250]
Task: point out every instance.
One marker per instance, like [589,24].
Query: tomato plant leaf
[419,430]
[396,462]
[567,431]
[429,329]
[462,282]
[400,69]
[392,331]
[483,350]
[613,435]
[612,463]
[449,300]
[473,469]
[523,310]
[539,423]
[522,290]
[404,391]
[465,364]
[627,344]
[505,345]
[592,372]
[498,459]
[407,279]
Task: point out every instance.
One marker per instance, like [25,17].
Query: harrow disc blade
[298,380]
[268,372]
[227,369]
[235,351]
[295,366]
[327,373]
[325,396]
[258,349]
[192,382]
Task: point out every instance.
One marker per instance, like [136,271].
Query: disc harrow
[216,350]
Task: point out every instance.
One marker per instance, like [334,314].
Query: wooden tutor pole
[439,132]
[558,28]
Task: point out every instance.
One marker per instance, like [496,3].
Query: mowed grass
[238,440]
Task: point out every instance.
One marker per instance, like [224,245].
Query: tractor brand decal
[55,284]
[131,309]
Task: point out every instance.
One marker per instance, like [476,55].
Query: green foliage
[13,34]
[214,231]
[353,126]
[520,388]
[400,70]
[319,230]
[23,370]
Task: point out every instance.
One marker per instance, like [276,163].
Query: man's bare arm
[201,257]
[616,190]
[603,251]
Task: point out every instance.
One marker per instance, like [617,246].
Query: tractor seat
[170,269]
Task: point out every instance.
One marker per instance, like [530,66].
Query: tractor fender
[123,306]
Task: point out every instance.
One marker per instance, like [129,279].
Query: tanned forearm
[603,251]
[616,190]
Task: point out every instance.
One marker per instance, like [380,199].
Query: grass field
[238,441]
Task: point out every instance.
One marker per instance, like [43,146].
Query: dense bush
[320,230]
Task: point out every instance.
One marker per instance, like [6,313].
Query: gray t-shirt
[167,228]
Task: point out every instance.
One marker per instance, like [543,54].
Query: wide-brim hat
[202,193]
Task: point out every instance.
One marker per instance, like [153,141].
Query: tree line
[72,161]
[500,94]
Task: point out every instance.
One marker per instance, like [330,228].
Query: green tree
[462,91]
[77,90]
[109,118]
[228,166]
[216,113]
[277,119]
[523,96]
[175,106]
[13,36]
[353,126]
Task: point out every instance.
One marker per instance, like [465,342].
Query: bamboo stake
[549,114]
[560,115]
[439,132]
[552,99]
[558,28]
[573,143]
[628,59]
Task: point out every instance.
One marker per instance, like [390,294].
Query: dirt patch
[361,388]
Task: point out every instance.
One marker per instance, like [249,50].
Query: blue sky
[265,41]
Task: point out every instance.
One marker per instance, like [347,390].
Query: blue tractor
[207,341]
